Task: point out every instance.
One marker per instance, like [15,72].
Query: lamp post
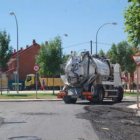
[17,55]
[113,23]
[65,35]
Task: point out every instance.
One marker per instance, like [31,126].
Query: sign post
[36,69]
[136,59]
[1,81]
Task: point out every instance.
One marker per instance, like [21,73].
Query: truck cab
[30,81]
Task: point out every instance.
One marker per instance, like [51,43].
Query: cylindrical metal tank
[103,67]
[80,68]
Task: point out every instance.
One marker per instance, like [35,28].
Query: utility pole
[91,46]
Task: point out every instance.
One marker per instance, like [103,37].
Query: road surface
[44,120]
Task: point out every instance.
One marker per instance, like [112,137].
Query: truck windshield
[28,78]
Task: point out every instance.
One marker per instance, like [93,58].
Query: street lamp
[65,35]
[17,56]
[113,23]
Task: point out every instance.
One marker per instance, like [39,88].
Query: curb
[28,100]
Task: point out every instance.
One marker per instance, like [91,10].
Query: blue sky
[42,20]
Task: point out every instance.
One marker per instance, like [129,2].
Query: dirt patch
[113,122]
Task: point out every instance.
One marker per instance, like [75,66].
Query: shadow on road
[89,103]
[13,122]
[25,138]
[123,103]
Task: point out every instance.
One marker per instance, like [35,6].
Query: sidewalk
[28,100]
[30,91]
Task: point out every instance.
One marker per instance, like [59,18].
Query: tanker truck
[92,78]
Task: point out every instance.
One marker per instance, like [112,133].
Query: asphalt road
[44,120]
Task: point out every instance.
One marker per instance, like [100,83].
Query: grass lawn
[133,94]
[28,96]
[45,95]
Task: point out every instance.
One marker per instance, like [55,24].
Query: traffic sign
[136,59]
[36,68]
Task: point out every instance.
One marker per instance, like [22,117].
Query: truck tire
[119,95]
[98,95]
[73,100]
[69,100]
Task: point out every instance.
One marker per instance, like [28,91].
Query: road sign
[136,59]
[36,68]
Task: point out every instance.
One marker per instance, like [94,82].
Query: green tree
[132,22]
[129,62]
[65,58]
[102,53]
[50,58]
[134,1]
[122,54]
[5,50]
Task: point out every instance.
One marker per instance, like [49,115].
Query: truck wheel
[69,100]
[100,95]
[73,100]
[119,95]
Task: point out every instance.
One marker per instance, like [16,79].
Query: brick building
[26,61]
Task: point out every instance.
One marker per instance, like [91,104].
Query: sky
[43,20]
